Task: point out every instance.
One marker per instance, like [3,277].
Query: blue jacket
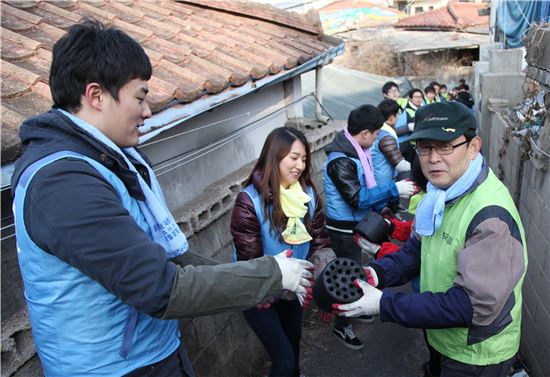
[93,309]
[347,197]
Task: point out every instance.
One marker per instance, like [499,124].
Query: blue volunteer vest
[383,169]
[79,328]
[270,241]
[337,208]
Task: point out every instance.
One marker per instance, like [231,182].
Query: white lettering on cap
[435,119]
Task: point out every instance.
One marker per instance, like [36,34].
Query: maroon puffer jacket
[245,227]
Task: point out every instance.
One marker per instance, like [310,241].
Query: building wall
[214,144]
[526,173]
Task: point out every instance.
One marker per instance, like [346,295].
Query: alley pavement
[390,350]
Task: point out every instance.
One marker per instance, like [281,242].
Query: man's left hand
[368,304]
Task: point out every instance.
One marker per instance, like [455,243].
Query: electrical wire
[187,157]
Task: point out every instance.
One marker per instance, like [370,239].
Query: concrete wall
[218,142]
[220,345]
[525,171]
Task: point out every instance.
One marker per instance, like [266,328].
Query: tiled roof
[197,48]
[456,16]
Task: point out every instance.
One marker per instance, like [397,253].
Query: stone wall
[219,345]
[522,163]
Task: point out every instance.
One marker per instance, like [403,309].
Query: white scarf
[164,229]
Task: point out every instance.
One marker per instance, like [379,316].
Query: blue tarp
[514,18]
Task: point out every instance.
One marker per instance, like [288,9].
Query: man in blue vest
[96,241]
[469,249]
[351,191]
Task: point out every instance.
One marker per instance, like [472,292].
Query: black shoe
[348,338]
[364,319]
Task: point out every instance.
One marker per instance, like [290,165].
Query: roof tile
[170,51]
[124,12]
[16,12]
[87,10]
[45,34]
[454,16]
[138,33]
[190,84]
[11,146]
[196,48]
[39,64]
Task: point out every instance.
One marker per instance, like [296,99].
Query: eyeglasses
[442,150]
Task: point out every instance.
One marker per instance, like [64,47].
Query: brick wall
[526,174]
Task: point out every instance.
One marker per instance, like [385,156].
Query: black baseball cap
[443,121]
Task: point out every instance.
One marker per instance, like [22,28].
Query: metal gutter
[176,114]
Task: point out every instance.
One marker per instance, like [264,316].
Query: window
[418,10]
[431,8]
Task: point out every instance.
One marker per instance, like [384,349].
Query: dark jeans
[344,246]
[453,368]
[175,365]
[280,330]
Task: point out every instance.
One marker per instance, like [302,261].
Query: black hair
[412,91]
[442,86]
[365,117]
[464,87]
[434,83]
[417,175]
[462,81]
[387,86]
[429,89]
[465,98]
[388,107]
[90,52]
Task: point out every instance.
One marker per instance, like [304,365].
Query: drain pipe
[319,116]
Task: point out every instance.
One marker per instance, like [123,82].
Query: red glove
[401,229]
[372,278]
[266,304]
[386,248]
[325,317]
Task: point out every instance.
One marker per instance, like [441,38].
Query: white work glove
[368,304]
[366,246]
[405,187]
[297,276]
[403,165]
[372,278]
[411,126]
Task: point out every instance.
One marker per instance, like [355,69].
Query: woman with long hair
[279,209]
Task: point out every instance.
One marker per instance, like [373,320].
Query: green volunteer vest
[438,271]
[402,102]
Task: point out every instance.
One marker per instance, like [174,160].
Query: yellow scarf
[293,203]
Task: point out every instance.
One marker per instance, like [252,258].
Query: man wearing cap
[469,249]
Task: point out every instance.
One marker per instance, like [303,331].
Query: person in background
[390,90]
[466,99]
[386,156]
[415,101]
[469,249]
[429,95]
[443,93]
[351,191]
[437,88]
[98,248]
[279,209]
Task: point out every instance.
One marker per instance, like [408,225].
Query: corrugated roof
[197,48]
[456,16]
